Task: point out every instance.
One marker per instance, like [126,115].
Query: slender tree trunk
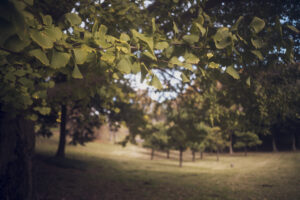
[17,141]
[201,155]
[62,135]
[245,151]
[194,156]
[152,154]
[217,154]
[230,145]
[168,154]
[180,157]
[294,142]
[274,144]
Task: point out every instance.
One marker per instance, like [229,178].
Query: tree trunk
[180,157]
[194,155]
[62,135]
[274,144]
[168,154]
[201,155]
[294,142]
[217,154]
[152,154]
[245,151]
[230,145]
[17,141]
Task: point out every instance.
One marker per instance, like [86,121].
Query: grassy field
[104,171]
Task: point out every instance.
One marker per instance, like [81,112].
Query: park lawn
[105,171]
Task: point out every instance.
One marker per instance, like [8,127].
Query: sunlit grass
[107,171]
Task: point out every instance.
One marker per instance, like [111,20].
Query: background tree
[246,139]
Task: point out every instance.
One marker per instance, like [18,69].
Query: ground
[103,171]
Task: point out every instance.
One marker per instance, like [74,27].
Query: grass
[104,171]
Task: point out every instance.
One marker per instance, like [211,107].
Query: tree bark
[194,156]
[152,154]
[201,155]
[274,144]
[294,148]
[230,145]
[17,141]
[180,157]
[62,135]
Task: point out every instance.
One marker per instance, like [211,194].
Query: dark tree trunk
[168,154]
[245,151]
[217,154]
[201,155]
[294,142]
[180,157]
[194,156]
[152,154]
[274,144]
[230,145]
[62,135]
[17,141]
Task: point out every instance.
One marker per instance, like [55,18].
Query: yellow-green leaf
[41,39]
[257,24]
[257,43]
[293,28]
[80,55]
[150,55]
[232,72]
[258,54]
[222,38]
[124,65]
[161,45]
[73,18]
[156,82]
[124,37]
[59,59]
[40,55]
[15,44]
[76,73]
[213,65]
[184,78]
[248,81]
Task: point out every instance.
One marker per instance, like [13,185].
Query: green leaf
[124,65]
[258,54]
[176,31]
[293,28]
[191,39]
[41,39]
[201,28]
[156,83]
[59,59]
[184,78]
[149,55]
[174,61]
[232,72]
[222,38]
[53,33]
[161,45]
[40,55]
[43,110]
[209,55]
[213,65]
[188,66]
[124,37]
[257,43]
[136,68]
[73,18]
[257,24]
[144,72]
[237,23]
[80,55]
[108,57]
[153,25]
[47,20]
[103,30]
[191,58]
[147,40]
[76,73]
[248,81]
[15,44]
